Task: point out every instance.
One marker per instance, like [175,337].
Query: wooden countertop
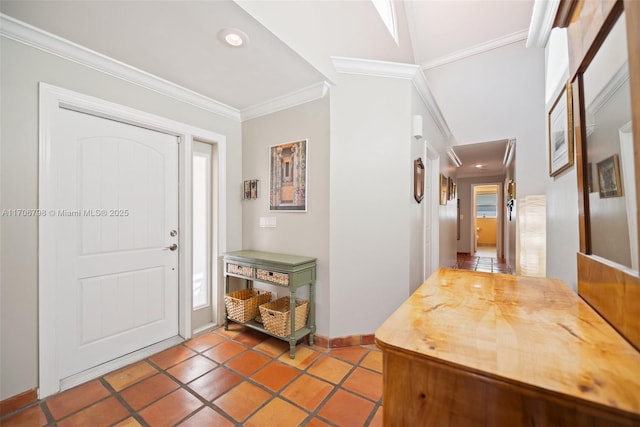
[532,332]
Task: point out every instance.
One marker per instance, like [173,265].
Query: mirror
[609,151]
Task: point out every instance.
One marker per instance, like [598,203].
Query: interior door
[116,213]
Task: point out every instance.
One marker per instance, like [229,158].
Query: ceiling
[481,159]
[291,43]
[177,41]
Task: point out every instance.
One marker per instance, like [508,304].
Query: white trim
[50,43]
[542,17]
[302,96]
[51,98]
[477,49]
[618,79]
[369,67]
[118,363]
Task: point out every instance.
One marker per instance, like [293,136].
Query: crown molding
[368,67]
[617,80]
[371,67]
[542,17]
[302,96]
[29,35]
[477,49]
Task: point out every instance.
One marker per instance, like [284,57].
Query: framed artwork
[288,176]
[511,190]
[451,189]
[609,177]
[250,189]
[418,179]
[444,189]
[561,132]
[246,189]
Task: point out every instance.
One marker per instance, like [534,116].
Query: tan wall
[487,231]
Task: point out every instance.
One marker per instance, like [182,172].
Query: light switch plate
[268,221]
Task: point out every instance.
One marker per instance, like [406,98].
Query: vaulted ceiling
[291,44]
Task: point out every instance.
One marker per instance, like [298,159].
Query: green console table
[291,271]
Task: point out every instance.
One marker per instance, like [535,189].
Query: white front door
[115,219]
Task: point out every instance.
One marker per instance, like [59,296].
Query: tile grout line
[123,402]
[313,414]
[206,403]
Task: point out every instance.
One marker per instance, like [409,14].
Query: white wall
[419,213]
[563,238]
[373,215]
[370,170]
[299,233]
[22,68]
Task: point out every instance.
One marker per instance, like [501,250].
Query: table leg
[312,312]
[292,314]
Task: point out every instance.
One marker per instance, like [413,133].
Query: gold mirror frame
[612,290]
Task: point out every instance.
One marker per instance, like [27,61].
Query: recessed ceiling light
[232,37]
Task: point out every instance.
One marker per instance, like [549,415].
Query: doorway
[486,233]
[109,261]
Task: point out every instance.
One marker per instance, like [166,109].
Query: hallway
[484,259]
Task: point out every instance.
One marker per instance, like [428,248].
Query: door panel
[116,204]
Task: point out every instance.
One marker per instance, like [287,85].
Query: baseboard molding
[18,401]
[348,341]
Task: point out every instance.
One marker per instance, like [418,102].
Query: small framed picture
[444,189]
[609,177]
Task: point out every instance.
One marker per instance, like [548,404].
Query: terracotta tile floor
[225,378]
[482,263]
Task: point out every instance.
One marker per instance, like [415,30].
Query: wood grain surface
[472,348]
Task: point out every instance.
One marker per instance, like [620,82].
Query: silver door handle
[172,247]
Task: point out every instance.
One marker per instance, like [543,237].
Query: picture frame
[561,143]
[511,190]
[288,165]
[451,189]
[254,188]
[246,189]
[418,179]
[444,189]
[609,183]
[250,189]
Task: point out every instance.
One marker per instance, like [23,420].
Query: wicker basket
[242,270]
[272,276]
[242,305]
[276,316]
